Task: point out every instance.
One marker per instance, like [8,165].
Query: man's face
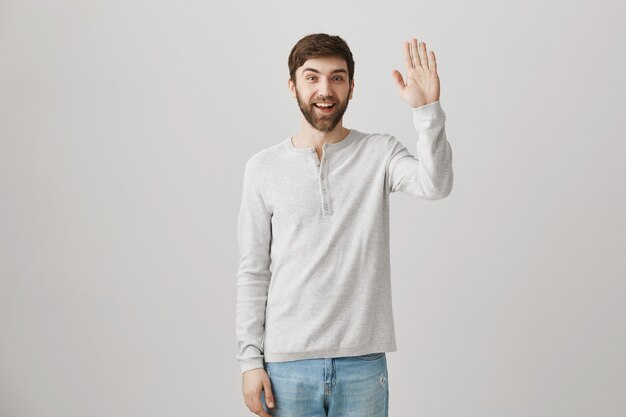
[323,80]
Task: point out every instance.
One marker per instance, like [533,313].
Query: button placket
[325,195]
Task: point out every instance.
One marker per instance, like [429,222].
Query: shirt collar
[331,146]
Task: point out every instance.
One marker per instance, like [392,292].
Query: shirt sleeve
[253,275]
[429,174]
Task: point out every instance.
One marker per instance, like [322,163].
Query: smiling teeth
[324,105]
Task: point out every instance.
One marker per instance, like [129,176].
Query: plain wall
[124,129]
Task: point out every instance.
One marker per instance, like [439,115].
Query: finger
[422,55]
[254,405]
[407,56]
[261,413]
[257,407]
[432,62]
[399,81]
[267,389]
[415,53]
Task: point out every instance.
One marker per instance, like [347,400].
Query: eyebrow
[333,72]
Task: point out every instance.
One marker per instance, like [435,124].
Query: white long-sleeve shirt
[314,271]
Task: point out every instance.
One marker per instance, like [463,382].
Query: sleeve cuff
[249,364]
[428,115]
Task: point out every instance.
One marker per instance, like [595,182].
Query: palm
[422,81]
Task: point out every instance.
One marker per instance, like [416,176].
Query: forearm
[434,152]
[427,175]
[252,289]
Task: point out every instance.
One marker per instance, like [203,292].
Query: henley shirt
[314,278]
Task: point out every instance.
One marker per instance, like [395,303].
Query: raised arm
[429,174]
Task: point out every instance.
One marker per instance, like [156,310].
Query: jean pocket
[371,356]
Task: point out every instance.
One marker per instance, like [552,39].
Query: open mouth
[325,107]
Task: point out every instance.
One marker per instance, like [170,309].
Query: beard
[321,121]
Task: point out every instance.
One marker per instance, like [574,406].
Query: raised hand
[422,81]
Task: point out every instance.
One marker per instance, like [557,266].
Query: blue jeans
[350,386]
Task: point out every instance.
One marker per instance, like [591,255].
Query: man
[314,314]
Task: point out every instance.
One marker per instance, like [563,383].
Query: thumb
[397,76]
[267,389]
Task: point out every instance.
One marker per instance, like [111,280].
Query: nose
[324,88]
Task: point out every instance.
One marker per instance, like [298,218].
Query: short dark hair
[318,45]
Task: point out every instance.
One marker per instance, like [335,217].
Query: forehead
[326,64]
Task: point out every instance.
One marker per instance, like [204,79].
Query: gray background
[124,129]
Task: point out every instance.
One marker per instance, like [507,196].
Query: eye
[338,78]
[310,76]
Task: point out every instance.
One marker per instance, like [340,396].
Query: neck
[309,137]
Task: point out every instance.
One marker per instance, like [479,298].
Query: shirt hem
[328,353]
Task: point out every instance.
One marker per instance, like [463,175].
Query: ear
[292,87]
[351,90]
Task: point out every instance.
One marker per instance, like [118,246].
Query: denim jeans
[350,386]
